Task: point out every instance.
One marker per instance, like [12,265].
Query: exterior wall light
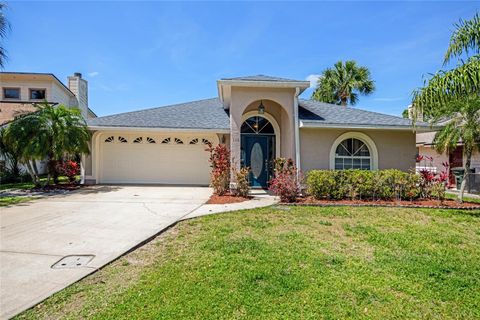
[261,108]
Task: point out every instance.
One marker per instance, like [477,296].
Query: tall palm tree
[51,133]
[4,27]
[455,94]
[343,83]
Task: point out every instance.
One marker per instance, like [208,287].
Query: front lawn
[29,185]
[290,263]
[8,201]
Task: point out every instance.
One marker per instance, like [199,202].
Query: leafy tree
[343,83]
[51,133]
[4,27]
[455,95]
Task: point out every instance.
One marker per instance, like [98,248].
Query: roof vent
[77,74]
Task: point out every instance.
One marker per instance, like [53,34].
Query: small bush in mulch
[427,203]
[226,198]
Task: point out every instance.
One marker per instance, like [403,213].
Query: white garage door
[155,159]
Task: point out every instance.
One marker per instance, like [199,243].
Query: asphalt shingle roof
[330,114]
[209,114]
[262,77]
[202,114]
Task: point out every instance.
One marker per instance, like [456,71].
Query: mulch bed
[58,187]
[225,199]
[446,204]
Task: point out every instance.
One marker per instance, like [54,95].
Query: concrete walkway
[101,221]
[261,198]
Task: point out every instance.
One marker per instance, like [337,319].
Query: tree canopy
[343,83]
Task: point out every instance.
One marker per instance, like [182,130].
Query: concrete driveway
[99,221]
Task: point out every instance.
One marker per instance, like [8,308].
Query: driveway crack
[149,210]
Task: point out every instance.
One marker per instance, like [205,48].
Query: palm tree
[343,83]
[51,133]
[466,37]
[455,94]
[4,27]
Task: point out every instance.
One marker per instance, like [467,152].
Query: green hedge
[363,184]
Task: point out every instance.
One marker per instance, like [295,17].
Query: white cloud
[313,78]
[93,74]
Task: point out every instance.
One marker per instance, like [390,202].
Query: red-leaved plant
[220,164]
[434,185]
[286,183]
[69,168]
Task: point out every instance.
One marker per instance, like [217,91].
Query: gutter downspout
[297,130]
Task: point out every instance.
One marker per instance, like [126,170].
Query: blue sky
[137,55]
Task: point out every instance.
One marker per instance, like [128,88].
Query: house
[259,118]
[20,91]
[434,161]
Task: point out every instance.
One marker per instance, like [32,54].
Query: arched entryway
[258,149]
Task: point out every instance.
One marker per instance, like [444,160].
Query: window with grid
[352,153]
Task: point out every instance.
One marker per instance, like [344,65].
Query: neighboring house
[433,161]
[20,91]
[259,118]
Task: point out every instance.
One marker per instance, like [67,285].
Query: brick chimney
[79,87]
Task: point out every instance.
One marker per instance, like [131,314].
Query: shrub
[69,168]
[363,184]
[242,186]
[220,164]
[287,181]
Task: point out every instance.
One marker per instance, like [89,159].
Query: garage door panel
[154,163]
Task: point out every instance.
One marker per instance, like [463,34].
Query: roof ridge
[155,108]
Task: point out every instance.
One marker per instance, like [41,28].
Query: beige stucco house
[21,91]
[259,118]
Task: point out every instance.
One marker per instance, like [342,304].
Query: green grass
[28,185]
[468,199]
[8,201]
[304,263]
[17,185]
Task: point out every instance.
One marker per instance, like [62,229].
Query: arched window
[138,140]
[352,153]
[257,125]
[122,139]
[109,139]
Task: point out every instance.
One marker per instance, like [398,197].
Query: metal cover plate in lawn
[73,261]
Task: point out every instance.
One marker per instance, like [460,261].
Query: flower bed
[427,203]
[227,198]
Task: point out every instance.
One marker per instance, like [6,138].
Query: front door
[257,154]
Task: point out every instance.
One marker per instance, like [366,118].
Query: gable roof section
[318,114]
[209,114]
[202,114]
[261,77]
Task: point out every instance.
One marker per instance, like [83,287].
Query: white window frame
[362,137]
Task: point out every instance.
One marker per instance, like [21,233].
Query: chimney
[79,87]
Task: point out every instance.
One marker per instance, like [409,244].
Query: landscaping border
[293,204]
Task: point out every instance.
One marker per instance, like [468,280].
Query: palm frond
[465,38]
